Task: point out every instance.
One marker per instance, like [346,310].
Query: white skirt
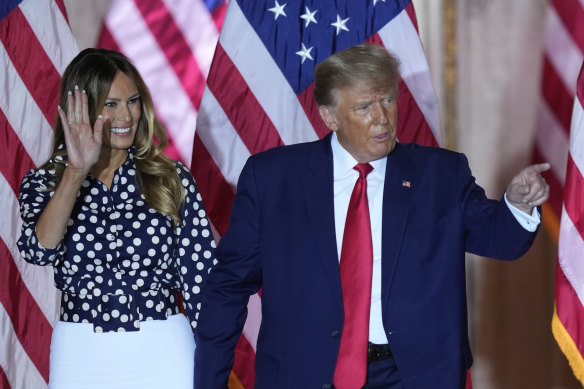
[160,355]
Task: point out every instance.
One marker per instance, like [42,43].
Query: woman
[124,228]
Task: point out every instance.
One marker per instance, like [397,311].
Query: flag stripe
[255,129]
[14,160]
[571,247]
[574,196]
[202,39]
[557,97]
[50,27]
[20,308]
[216,193]
[569,308]
[43,89]
[571,12]
[14,360]
[36,278]
[107,41]
[36,44]
[3,379]
[23,113]
[223,144]
[244,364]
[252,326]
[174,46]
[218,14]
[552,142]
[562,51]
[265,80]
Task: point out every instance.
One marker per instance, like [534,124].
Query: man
[292,234]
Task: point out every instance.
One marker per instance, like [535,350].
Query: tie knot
[363,169]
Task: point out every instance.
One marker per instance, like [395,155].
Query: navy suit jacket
[281,239]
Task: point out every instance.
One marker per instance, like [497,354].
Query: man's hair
[368,62]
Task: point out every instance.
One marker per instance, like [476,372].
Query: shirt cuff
[529,222]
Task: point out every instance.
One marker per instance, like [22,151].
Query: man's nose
[380,114]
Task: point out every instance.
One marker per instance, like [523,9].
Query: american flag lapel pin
[406,184]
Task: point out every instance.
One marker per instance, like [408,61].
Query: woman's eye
[134,100]
[110,104]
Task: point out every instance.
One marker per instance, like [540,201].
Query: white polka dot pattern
[120,262]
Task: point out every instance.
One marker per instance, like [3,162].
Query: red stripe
[172,42]
[106,40]
[245,113]
[572,15]
[244,364]
[30,325]
[14,159]
[411,123]
[570,309]
[556,188]
[218,14]
[306,99]
[557,97]
[3,379]
[574,195]
[31,62]
[216,193]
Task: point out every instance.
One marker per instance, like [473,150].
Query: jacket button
[335,333]
[326,386]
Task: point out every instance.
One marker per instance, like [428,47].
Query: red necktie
[356,269]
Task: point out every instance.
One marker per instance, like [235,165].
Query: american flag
[250,92]
[568,320]
[563,57]
[32,62]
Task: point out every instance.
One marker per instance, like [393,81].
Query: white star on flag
[308,17]
[278,9]
[305,53]
[340,24]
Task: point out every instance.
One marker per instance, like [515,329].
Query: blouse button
[110,237]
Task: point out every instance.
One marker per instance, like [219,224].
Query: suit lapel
[317,184]
[400,184]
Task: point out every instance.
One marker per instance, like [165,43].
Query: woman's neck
[109,161]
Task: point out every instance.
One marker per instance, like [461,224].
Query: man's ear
[327,114]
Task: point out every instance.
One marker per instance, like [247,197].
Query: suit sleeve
[226,294]
[490,227]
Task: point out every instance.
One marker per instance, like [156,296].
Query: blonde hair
[93,70]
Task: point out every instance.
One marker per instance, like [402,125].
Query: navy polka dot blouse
[121,262]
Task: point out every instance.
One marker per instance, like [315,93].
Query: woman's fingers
[70,108]
[78,106]
[84,107]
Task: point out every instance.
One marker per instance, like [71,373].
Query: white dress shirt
[344,177]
